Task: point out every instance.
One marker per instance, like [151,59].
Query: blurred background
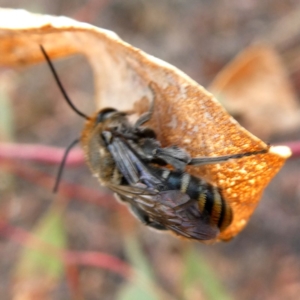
[200,38]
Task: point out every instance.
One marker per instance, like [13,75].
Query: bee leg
[179,159]
[143,118]
[147,115]
[144,218]
[173,156]
[198,161]
[150,150]
[156,226]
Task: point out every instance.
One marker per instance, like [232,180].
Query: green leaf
[6,127]
[6,111]
[142,285]
[132,291]
[35,262]
[199,274]
[137,258]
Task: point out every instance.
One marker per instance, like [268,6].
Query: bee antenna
[62,165]
[60,84]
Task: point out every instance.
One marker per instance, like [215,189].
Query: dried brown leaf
[255,88]
[185,113]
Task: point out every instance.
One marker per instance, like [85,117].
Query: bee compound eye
[105,114]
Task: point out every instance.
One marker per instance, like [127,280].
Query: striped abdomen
[210,200]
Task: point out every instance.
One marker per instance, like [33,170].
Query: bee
[128,159]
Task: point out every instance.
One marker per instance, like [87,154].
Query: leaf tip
[282,151]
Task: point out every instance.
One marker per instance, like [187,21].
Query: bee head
[110,119]
[105,114]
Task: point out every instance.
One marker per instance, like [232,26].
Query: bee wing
[171,209]
[132,191]
[130,165]
[123,161]
[181,214]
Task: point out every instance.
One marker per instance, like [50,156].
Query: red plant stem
[295,148]
[40,154]
[100,260]
[66,189]
[72,277]
[53,155]
[94,259]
